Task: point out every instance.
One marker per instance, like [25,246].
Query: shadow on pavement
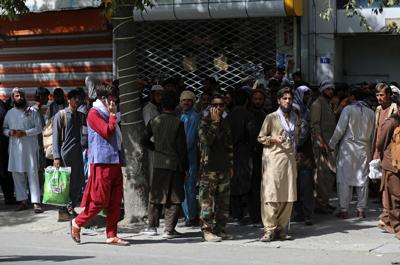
[19,258]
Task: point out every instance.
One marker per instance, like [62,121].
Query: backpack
[395,148]
[48,134]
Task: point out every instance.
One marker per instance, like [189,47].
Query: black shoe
[297,219]
[171,234]
[323,210]
[10,201]
[307,221]
[330,207]
[192,222]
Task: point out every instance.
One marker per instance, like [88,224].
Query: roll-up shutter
[228,49]
[57,55]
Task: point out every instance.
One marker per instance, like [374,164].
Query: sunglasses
[218,105]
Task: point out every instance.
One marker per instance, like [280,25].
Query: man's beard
[286,110]
[20,103]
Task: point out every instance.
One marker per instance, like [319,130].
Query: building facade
[343,50]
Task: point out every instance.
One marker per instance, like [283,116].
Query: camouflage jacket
[216,150]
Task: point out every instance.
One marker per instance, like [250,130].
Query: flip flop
[75,232]
[117,241]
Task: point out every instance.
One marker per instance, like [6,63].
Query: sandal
[75,231]
[117,241]
[267,237]
[37,208]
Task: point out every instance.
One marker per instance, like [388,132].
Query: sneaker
[149,231]
[171,234]
[210,237]
[224,236]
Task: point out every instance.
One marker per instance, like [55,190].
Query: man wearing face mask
[279,135]
[22,124]
[323,124]
[105,157]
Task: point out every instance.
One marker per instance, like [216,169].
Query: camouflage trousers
[214,196]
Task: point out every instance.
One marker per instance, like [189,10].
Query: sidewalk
[328,232]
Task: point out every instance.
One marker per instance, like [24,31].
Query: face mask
[286,110]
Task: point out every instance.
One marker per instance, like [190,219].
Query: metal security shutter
[229,49]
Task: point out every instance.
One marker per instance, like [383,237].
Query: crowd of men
[269,151]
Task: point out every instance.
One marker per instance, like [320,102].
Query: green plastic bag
[56,185]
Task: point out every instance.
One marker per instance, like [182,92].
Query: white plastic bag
[375,171]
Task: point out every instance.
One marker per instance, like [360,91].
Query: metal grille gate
[229,49]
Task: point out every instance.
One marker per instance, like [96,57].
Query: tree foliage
[353,9]
[10,9]
[110,6]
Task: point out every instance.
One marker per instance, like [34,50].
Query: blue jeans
[190,205]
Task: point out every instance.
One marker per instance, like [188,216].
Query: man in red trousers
[106,157]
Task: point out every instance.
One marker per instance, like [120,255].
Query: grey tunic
[69,150]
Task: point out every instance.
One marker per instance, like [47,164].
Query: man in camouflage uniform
[216,164]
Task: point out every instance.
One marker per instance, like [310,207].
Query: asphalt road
[28,238]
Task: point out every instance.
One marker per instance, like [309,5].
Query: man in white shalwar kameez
[279,134]
[354,137]
[22,124]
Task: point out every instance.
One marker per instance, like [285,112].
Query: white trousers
[21,186]
[345,194]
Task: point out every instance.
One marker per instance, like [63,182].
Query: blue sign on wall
[325,60]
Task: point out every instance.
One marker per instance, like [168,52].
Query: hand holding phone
[215,116]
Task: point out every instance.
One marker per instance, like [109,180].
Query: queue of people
[269,154]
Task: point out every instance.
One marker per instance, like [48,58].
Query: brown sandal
[117,241]
[75,231]
[267,237]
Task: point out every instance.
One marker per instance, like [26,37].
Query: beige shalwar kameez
[278,186]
